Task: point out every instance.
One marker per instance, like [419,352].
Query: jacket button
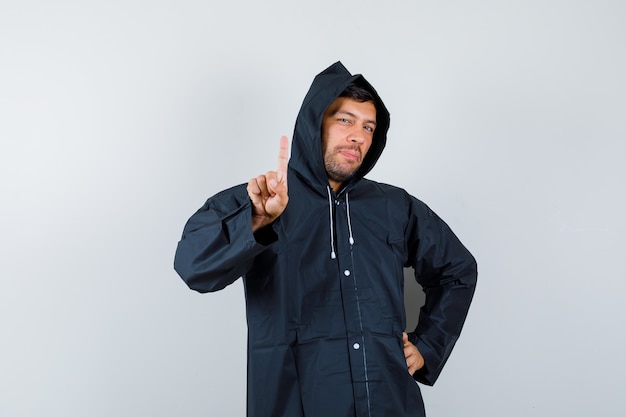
[346,272]
[356,346]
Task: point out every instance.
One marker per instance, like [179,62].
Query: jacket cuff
[266,236]
[423,375]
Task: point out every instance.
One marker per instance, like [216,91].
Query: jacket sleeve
[447,272]
[217,245]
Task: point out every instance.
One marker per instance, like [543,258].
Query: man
[321,251]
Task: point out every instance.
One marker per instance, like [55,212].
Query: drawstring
[332,239]
[333,255]
[349,223]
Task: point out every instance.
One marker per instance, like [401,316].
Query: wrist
[265,235]
[259,222]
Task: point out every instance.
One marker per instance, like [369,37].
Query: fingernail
[273,183]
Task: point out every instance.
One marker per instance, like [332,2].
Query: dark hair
[358,92]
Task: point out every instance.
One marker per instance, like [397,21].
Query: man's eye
[369,129]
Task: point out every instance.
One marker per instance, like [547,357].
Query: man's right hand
[268,192]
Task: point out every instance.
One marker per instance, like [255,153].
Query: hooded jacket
[324,283]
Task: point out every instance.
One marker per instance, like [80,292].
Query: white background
[119,118]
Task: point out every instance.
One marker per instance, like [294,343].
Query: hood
[306,146]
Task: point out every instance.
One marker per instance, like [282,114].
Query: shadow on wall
[414,298]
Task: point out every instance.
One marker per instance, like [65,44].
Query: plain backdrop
[119,118]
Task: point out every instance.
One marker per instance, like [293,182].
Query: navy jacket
[324,283]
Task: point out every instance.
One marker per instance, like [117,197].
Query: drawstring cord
[333,255]
[330,215]
[349,223]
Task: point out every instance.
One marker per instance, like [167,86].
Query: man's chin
[342,172]
[341,176]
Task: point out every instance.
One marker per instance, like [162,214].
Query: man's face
[347,133]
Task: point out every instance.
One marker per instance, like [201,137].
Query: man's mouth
[351,154]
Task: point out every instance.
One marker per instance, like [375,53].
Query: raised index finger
[283,158]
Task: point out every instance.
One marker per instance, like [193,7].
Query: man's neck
[336,186]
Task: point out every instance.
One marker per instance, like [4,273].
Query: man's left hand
[414,359]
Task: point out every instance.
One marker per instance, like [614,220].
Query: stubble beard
[336,170]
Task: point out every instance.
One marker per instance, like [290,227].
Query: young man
[321,251]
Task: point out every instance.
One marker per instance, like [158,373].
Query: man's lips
[350,154]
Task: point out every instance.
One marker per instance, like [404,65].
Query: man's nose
[357,135]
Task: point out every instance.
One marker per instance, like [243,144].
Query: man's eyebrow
[353,116]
